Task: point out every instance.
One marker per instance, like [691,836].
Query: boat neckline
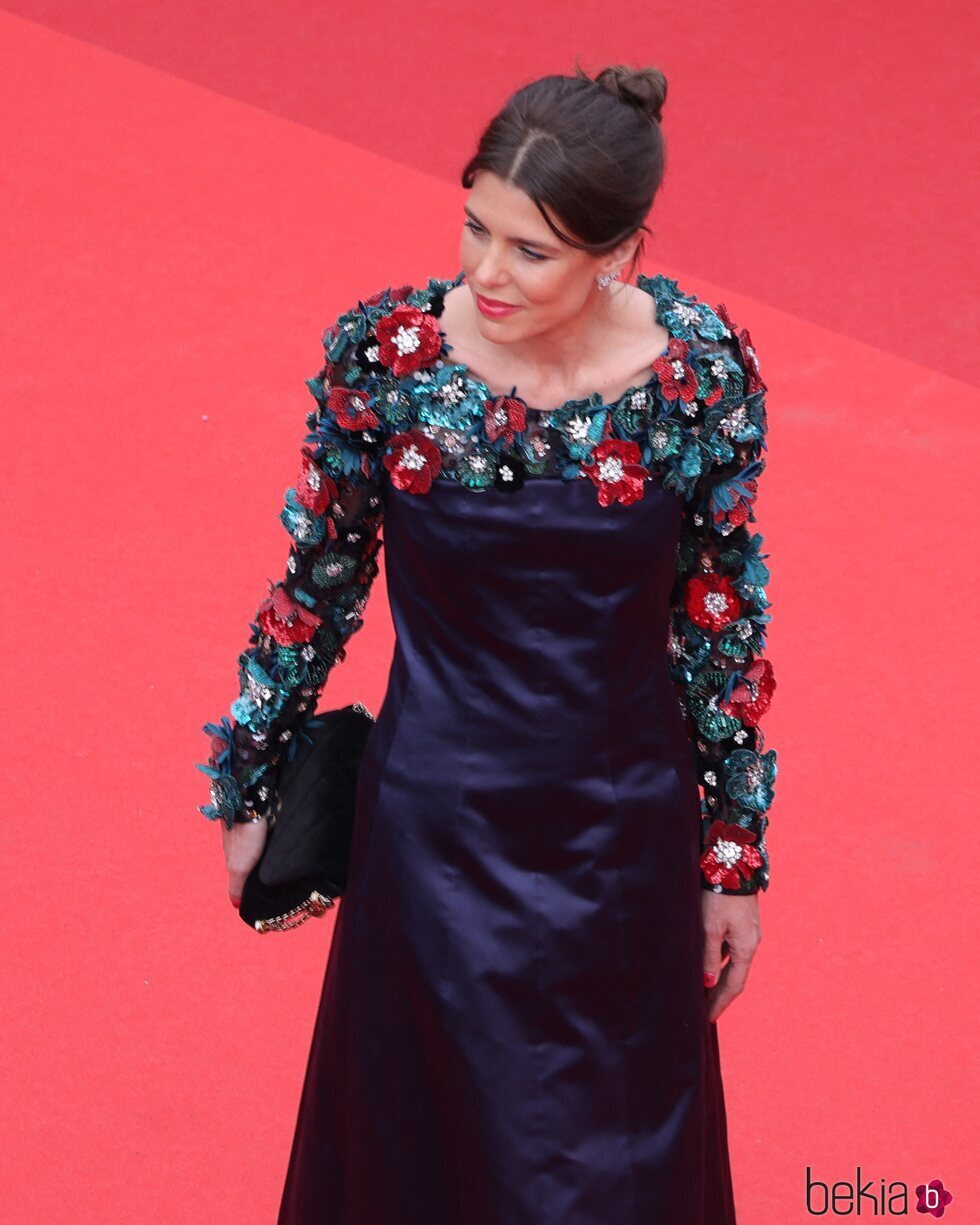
[646,284]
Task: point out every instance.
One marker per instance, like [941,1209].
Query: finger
[236,886]
[714,951]
[736,973]
[730,985]
[718,989]
[720,997]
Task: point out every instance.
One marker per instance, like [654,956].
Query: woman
[514,1027]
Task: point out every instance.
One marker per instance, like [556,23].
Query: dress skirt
[513,1027]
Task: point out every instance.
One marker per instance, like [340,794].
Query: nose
[491,272]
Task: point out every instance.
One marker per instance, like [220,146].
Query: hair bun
[643,88]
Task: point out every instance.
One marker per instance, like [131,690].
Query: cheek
[544,288]
[469,251]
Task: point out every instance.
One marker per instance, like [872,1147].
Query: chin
[492,328]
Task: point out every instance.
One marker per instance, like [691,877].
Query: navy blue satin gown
[513,1025]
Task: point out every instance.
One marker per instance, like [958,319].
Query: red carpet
[175,242]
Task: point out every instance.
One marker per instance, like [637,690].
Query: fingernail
[709,979]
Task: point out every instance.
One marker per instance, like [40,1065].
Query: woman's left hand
[243,845]
[731,924]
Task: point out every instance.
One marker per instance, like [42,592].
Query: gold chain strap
[316,904]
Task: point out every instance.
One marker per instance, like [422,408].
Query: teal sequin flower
[751,777]
[477,469]
[741,640]
[580,425]
[665,440]
[300,522]
[333,569]
[632,412]
[447,399]
[685,317]
[704,693]
[260,699]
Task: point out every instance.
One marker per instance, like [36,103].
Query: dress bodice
[529,616]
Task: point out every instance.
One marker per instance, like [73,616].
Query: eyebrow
[526,242]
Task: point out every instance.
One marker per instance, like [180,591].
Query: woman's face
[509,254]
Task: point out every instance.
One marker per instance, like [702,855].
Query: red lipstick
[494,309]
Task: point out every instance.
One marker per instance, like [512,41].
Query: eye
[533,256]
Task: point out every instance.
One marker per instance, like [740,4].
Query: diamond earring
[606,279]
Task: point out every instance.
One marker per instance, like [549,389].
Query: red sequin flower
[677,376]
[394,295]
[408,339]
[750,358]
[314,489]
[616,471]
[711,601]
[414,461]
[351,409]
[285,620]
[503,417]
[729,855]
[739,513]
[750,699]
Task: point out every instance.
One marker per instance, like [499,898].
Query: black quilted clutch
[303,868]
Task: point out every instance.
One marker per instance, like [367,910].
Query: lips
[495,309]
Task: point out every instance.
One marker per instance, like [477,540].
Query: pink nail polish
[709,979]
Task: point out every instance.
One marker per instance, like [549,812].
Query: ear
[621,254]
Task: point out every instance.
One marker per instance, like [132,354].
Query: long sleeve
[718,622]
[333,516]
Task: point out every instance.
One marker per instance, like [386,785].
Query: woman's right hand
[243,845]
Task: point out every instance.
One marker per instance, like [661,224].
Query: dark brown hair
[590,149]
